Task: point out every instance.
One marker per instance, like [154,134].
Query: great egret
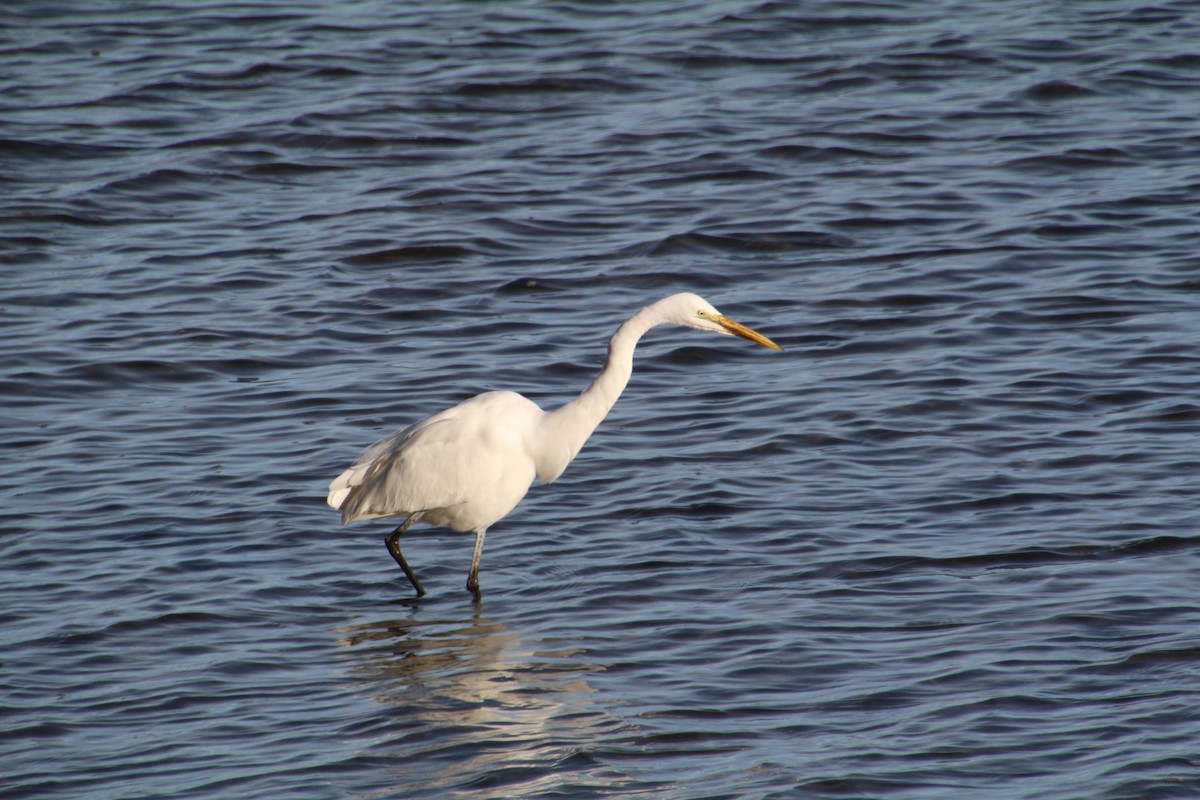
[468,466]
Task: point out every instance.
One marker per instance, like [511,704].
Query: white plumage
[468,466]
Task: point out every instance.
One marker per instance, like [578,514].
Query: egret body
[468,466]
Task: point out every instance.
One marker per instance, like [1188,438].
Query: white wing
[463,468]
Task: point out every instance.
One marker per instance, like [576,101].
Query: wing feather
[470,454]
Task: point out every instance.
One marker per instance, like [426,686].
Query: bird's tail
[341,486]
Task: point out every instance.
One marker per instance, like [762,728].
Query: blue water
[943,546]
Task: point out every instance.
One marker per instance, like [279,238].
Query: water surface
[945,545]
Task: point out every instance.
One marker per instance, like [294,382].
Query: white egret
[468,466]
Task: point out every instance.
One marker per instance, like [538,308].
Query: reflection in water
[467,705]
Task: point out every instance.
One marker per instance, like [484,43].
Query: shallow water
[944,545]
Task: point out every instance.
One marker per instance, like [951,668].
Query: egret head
[696,312]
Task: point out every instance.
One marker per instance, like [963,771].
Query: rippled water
[945,545]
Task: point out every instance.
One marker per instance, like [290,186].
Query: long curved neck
[567,428]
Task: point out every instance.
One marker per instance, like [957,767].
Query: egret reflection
[464,699]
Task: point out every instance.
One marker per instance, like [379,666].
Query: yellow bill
[738,329]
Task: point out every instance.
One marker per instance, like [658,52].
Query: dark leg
[473,575]
[393,546]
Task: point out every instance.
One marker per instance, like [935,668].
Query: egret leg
[473,575]
[393,546]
